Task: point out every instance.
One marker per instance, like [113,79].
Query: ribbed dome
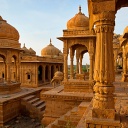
[50,51]
[7,31]
[32,52]
[78,22]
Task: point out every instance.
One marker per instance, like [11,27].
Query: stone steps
[34,106]
[71,118]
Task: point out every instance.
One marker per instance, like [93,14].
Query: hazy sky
[39,20]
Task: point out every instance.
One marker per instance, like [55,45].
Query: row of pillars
[78,65]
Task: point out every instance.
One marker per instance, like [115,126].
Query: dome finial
[50,41]
[80,9]
[1,18]
[24,44]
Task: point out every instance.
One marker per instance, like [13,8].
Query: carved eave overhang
[10,48]
[76,37]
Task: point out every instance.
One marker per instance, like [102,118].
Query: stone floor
[121,100]
[23,122]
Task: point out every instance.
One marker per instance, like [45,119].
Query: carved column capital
[107,17]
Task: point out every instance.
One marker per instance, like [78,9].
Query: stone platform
[58,102]
[76,85]
[10,104]
[8,88]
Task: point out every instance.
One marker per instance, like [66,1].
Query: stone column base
[102,123]
[103,113]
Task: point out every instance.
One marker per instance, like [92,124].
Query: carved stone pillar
[8,69]
[115,60]
[77,65]
[65,67]
[71,63]
[124,61]
[91,67]
[71,67]
[103,101]
[17,71]
[80,64]
[124,65]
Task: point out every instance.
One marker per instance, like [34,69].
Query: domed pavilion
[77,39]
[9,58]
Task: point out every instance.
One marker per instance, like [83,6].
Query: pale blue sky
[39,20]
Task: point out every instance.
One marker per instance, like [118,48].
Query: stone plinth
[101,122]
[6,88]
[59,102]
[75,85]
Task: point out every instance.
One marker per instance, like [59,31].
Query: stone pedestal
[59,102]
[102,122]
[78,85]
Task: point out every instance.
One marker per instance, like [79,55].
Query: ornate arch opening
[40,70]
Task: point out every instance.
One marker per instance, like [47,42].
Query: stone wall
[9,110]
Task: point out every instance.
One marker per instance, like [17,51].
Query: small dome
[32,52]
[25,50]
[50,51]
[7,31]
[79,22]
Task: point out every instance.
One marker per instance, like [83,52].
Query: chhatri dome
[25,50]
[50,51]
[7,31]
[78,22]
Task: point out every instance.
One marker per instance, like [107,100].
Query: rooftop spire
[80,9]
[1,18]
[24,44]
[50,41]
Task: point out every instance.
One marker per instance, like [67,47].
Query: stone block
[103,113]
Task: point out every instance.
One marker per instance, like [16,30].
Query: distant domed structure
[25,50]
[79,21]
[32,52]
[7,31]
[50,51]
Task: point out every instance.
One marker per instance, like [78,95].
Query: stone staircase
[33,106]
[71,118]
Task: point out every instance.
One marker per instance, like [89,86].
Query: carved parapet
[80,76]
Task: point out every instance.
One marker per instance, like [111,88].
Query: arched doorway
[2,67]
[52,71]
[13,68]
[40,73]
[46,73]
